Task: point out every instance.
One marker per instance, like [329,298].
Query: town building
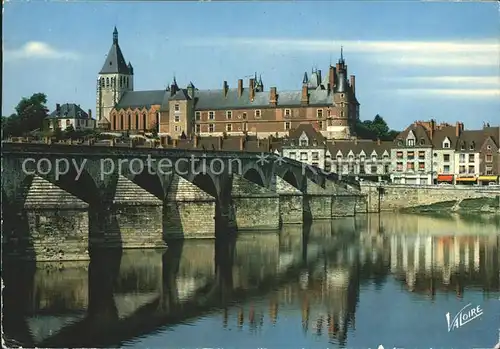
[70,114]
[362,159]
[444,142]
[489,156]
[365,159]
[328,103]
[307,145]
[411,155]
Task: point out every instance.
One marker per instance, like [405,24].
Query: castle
[328,103]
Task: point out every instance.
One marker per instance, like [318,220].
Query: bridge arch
[80,184]
[291,178]
[151,182]
[205,182]
[255,175]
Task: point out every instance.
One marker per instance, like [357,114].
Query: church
[327,102]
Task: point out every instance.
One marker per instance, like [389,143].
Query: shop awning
[445,178]
[488,178]
[466,179]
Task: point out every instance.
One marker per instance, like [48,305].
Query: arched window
[114,121]
[136,120]
[129,119]
[120,80]
[157,121]
[103,84]
[127,80]
[107,82]
[144,125]
[121,121]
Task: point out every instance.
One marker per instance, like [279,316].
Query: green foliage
[376,128]
[30,115]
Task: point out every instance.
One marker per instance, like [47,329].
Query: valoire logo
[463,317]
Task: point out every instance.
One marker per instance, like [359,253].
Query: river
[359,282]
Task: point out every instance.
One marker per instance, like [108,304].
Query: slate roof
[139,99]
[441,134]
[115,62]
[368,146]
[310,132]
[471,141]
[420,134]
[215,99]
[69,111]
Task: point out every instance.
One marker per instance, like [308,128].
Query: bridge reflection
[313,273]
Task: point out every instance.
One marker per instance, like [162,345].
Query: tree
[376,128]
[30,115]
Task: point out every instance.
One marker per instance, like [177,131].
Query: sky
[412,60]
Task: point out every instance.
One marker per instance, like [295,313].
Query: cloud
[476,80]
[38,50]
[459,93]
[423,53]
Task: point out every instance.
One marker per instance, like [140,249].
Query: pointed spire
[341,60]
[260,79]
[130,68]
[115,36]
[305,80]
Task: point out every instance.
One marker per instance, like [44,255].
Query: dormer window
[339,157]
[422,141]
[400,143]
[446,144]
[462,146]
[488,147]
[292,143]
[303,142]
[374,157]
[472,145]
[315,143]
[362,157]
[351,157]
[411,142]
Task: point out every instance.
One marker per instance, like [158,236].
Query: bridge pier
[136,218]
[56,224]
[291,205]
[189,212]
[317,202]
[256,207]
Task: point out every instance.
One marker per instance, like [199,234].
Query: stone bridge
[69,198]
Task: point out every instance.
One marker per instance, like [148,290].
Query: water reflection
[310,280]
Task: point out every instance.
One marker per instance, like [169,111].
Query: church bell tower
[115,78]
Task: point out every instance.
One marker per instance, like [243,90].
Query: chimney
[251,86]
[378,141]
[458,131]
[174,143]
[242,143]
[220,140]
[58,108]
[356,140]
[240,87]
[353,84]
[90,114]
[196,139]
[433,128]
[225,87]
[331,78]
[304,100]
[273,100]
